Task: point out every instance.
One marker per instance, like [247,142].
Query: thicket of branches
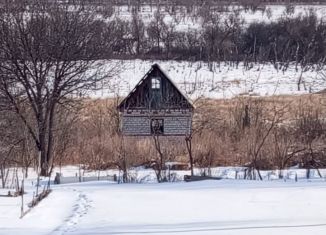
[222,34]
[261,134]
[257,133]
[221,37]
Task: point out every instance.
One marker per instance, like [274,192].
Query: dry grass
[291,104]
[220,140]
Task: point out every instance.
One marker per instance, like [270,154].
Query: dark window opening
[156,83]
[157,126]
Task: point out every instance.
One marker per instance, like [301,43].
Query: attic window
[156,83]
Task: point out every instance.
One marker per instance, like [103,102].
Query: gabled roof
[154,66]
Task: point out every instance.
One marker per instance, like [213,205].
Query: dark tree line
[193,2]
[220,36]
[300,39]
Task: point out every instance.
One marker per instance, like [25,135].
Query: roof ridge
[156,66]
[173,83]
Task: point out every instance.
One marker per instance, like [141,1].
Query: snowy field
[226,206]
[184,20]
[197,80]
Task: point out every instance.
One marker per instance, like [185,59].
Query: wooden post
[38,172]
[22,205]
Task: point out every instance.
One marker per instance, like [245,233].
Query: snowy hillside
[186,20]
[196,79]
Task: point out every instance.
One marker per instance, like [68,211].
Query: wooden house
[156,107]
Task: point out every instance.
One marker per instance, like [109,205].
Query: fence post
[22,206]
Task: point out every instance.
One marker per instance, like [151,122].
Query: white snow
[192,21]
[222,207]
[196,79]
[226,206]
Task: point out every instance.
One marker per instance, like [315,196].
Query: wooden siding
[136,125]
[180,125]
[140,124]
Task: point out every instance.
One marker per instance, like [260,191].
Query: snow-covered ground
[226,206]
[184,20]
[196,79]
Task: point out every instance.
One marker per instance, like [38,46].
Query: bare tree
[253,126]
[138,31]
[48,56]
[204,119]
[283,148]
[65,135]
[156,29]
[10,144]
[310,131]
[159,166]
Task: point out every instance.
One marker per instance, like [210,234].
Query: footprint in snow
[79,210]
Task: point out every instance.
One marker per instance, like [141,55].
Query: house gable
[155,91]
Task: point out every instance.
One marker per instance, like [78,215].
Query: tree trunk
[160,165]
[189,148]
[49,151]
